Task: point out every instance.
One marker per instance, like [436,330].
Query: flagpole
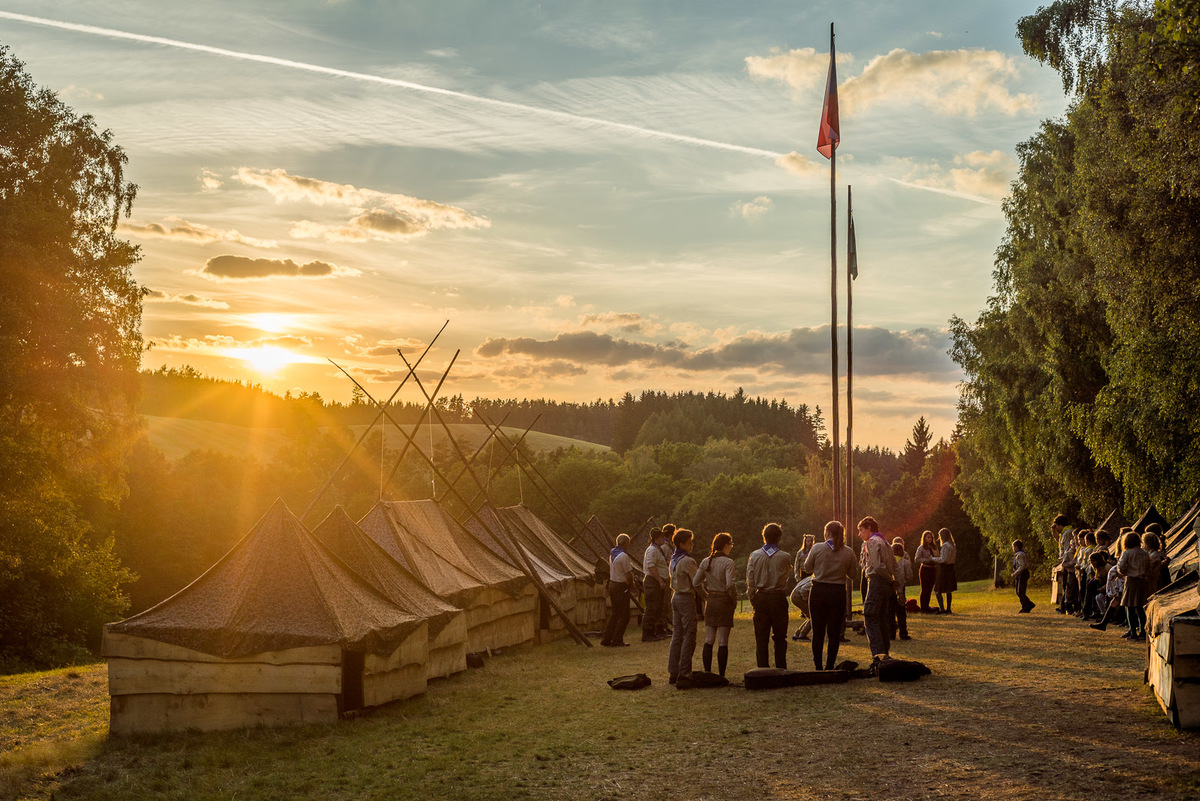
[849,358]
[833,324]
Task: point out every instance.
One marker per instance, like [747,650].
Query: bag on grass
[911,605]
[637,681]
[901,670]
[774,678]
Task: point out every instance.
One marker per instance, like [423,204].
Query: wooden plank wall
[1173,670]
[448,650]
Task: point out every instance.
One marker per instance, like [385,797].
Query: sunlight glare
[268,359]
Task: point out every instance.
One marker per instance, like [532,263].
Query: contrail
[560,116]
[987,201]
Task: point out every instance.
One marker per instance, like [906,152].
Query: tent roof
[1177,598]
[277,588]
[1151,515]
[351,544]
[486,533]
[1113,523]
[1181,543]
[533,530]
[433,546]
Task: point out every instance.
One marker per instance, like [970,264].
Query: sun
[268,359]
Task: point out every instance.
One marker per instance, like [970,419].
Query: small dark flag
[852,251]
[828,137]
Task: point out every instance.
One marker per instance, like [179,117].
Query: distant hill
[178,436]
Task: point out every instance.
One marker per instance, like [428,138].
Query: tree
[70,314]
[916,448]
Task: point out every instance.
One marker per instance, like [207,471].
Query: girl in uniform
[715,576]
[832,567]
[927,570]
[947,579]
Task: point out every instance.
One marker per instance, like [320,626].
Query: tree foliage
[1082,368]
[70,314]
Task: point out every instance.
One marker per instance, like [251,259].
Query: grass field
[177,436]
[1018,707]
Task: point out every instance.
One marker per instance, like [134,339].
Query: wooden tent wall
[1174,670]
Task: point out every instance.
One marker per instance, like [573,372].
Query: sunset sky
[598,196]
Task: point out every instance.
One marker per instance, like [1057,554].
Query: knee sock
[722,658]
[707,656]
[949,600]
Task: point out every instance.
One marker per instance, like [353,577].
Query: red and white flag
[828,137]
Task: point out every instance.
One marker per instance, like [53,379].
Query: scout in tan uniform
[767,573]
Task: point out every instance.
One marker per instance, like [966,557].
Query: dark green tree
[70,314]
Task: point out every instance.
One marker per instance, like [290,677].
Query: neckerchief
[832,547]
[770,548]
[675,557]
[614,553]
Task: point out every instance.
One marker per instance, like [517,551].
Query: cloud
[751,209]
[629,322]
[387,347]
[242,268]
[157,296]
[952,82]
[564,301]
[74,93]
[377,215]
[210,181]
[800,69]
[797,164]
[878,352]
[958,83]
[184,231]
[979,175]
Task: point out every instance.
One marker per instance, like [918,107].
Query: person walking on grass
[715,577]
[1020,576]
[620,588]
[947,578]
[767,574]
[683,606]
[927,570]
[1133,566]
[654,586]
[879,567]
[832,566]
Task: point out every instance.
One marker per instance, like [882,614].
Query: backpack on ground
[900,670]
[637,681]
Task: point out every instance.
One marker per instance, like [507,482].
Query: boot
[722,658]
[708,648]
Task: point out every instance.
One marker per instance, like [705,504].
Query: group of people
[818,581]
[1095,584]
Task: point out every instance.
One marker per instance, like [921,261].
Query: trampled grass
[1018,707]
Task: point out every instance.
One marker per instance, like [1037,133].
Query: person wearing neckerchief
[879,565]
[767,573]
[832,566]
[683,606]
[715,577]
[654,585]
[620,587]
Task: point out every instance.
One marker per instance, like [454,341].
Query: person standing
[1064,534]
[798,571]
[715,578]
[767,574]
[898,620]
[947,577]
[683,606]
[620,588]
[654,586]
[1020,576]
[1133,566]
[832,567]
[927,570]
[879,567]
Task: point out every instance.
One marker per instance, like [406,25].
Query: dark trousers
[827,605]
[654,619]
[770,622]
[928,575]
[618,619]
[1021,582]
[898,617]
[875,610]
[1092,589]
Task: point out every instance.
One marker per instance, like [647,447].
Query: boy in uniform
[768,572]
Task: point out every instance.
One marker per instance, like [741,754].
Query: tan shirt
[1134,563]
[621,569]
[829,566]
[682,576]
[768,572]
[878,559]
[655,558]
[716,576]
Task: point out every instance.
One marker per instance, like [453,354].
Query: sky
[600,197]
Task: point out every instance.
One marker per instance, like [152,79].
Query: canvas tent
[1173,670]
[499,599]
[447,623]
[1113,524]
[591,598]
[1151,515]
[278,631]
[1181,543]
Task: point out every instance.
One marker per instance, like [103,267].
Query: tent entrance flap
[351,698]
